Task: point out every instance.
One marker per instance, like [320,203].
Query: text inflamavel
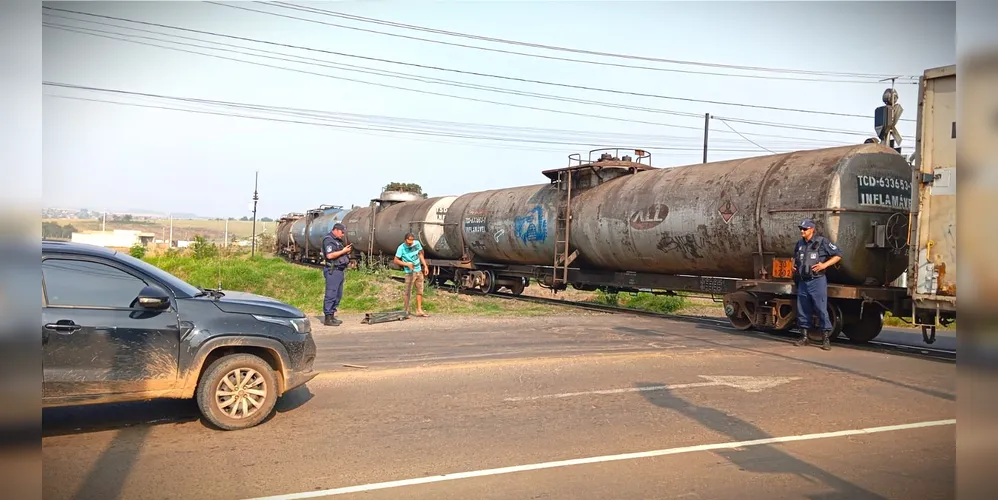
[884,191]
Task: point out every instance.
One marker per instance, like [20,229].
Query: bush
[138,251]
[202,249]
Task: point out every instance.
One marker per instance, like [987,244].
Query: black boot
[331,320]
[802,341]
[826,343]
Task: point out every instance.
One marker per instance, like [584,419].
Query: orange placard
[783,268]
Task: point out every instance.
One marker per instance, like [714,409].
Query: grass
[643,301]
[304,287]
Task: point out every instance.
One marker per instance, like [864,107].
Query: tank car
[284,245]
[424,219]
[725,228]
[732,218]
[362,224]
[299,236]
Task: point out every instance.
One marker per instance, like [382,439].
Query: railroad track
[873,345]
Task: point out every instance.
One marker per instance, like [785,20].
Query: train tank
[715,219]
[424,219]
[361,223]
[322,224]
[283,242]
[508,226]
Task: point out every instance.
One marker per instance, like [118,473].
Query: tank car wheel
[737,312]
[488,286]
[866,327]
[838,320]
[517,289]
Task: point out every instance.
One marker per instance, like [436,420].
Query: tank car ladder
[562,230]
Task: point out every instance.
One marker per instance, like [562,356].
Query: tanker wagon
[725,228]
[299,236]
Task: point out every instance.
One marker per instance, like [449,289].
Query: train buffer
[384,317]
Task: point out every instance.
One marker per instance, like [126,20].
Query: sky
[106,156]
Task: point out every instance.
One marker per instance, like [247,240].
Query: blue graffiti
[531,227]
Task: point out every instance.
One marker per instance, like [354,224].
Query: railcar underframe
[769,305]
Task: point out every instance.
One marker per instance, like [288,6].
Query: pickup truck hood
[249,303]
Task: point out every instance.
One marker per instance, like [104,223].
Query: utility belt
[811,277]
[336,267]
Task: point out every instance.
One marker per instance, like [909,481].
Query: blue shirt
[332,244]
[405,253]
[809,253]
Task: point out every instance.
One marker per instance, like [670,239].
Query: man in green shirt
[410,257]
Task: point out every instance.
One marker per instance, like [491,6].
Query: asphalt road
[657,408]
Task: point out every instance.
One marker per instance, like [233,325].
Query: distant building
[118,238]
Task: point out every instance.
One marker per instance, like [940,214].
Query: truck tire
[237,392]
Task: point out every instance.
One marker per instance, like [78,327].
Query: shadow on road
[759,459]
[653,333]
[121,416]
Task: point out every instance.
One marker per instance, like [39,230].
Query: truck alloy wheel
[237,391]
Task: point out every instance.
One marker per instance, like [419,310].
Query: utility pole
[170,243]
[706,130]
[103,224]
[226,240]
[255,198]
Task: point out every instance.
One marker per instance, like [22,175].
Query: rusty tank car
[361,224]
[299,236]
[725,228]
[425,219]
[718,219]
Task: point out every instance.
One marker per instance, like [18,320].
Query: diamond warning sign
[727,210]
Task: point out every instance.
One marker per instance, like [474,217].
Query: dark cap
[806,224]
[339,226]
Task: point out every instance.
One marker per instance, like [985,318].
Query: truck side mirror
[152,297]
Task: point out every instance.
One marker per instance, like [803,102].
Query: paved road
[508,401]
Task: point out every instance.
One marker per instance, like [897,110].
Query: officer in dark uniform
[812,255]
[337,258]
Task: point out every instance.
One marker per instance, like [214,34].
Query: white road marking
[605,458]
[748,384]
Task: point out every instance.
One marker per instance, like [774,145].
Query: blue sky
[107,156]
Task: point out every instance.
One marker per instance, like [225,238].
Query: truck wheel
[237,392]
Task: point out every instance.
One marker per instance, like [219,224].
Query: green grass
[642,301]
[304,287]
[894,321]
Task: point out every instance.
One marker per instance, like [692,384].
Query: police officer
[812,255]
[337,257]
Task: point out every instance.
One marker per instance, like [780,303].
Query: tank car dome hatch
[399,196]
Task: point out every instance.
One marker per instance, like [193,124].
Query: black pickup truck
[116,329]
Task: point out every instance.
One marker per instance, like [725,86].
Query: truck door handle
[69,327]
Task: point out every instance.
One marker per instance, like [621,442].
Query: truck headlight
[300,325]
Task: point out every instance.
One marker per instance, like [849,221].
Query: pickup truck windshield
[174,282]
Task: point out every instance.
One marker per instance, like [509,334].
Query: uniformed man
[337,258]
[812,255]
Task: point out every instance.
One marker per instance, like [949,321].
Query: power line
[487,75]
[627,120]
[379,120]
[541,56]
[407,76]
[567,49]
[743,137]
[366,129]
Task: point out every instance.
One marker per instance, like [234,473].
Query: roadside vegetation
[203,264]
